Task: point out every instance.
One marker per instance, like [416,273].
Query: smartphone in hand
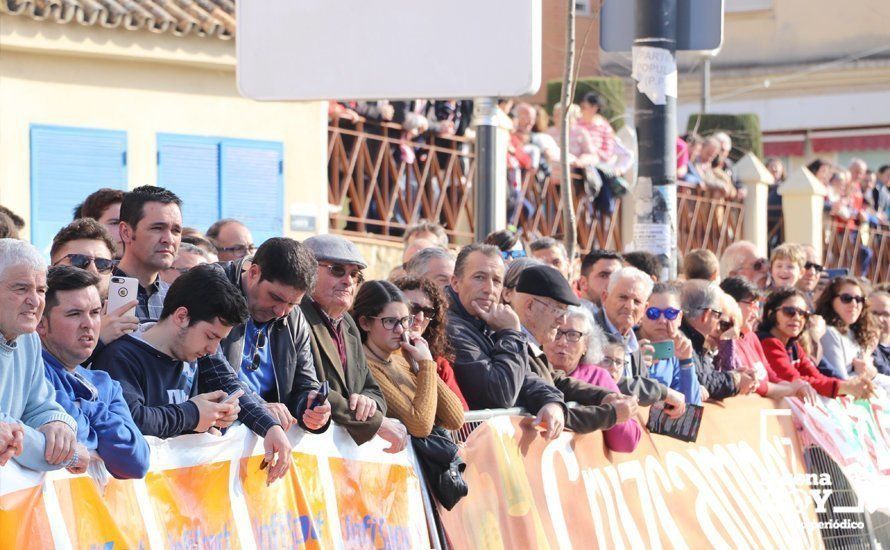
[234,396]
[122,290]
[663,350]
[321,395]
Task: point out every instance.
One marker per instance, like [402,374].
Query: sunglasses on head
[813,265]
[257,351]
[512,254]
[339,271]
[847,298]
[670,313]
[417,309]
[792,311]
[82,261]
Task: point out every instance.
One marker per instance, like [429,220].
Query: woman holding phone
[851,334]
[417,398]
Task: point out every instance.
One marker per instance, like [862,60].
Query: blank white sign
[388,49]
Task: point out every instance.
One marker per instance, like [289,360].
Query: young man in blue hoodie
[69,331]
[175,380]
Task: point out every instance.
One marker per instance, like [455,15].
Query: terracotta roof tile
[180,17]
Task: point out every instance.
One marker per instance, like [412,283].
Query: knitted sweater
[417,400]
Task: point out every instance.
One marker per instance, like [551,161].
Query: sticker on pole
[655,71]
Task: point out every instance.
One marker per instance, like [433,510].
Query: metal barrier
[473,419]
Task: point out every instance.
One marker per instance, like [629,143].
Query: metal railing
[852,245]
[706,222]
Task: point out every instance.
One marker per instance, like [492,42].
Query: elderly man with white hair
[741,259]
[49,435]
[434,264]
[624,302]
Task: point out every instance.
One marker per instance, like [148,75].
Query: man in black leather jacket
[271,352]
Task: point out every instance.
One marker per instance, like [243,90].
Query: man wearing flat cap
[541,301]
[356,401]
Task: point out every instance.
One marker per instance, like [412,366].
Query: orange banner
[742,484]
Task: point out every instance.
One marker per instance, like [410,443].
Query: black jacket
[491,367]
[646,390]
[291,354]
[720,384]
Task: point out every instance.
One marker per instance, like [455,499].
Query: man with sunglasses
[661,323]
[85,243]
[809,277]
[741,258]
[232,239]
[357,403]
[271,351]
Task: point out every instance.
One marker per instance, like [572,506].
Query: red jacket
[790,363]
[446,373]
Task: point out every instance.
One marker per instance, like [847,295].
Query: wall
[143,83]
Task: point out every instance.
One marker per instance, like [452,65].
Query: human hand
[12,436]
[498,316]
[229,418]
[817,326]
[387,111]
[60,442]
[277,457]
[316,417]
[281,413]
[682,347]
[551,419]
[210,410]
[675,404]
[747,382]
[83,461]
[804,391]
[859,387]
[625,408]
[118,322]
[647,350]
[395,433]
[418,349]
[363,406]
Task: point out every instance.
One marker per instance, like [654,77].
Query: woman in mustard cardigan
[417,397]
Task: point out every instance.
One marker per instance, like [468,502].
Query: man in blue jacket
[69,331]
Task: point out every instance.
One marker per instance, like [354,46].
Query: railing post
[802,203]
[756,179]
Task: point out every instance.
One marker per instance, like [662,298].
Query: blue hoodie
[104,423]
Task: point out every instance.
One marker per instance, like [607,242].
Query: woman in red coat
[785,317]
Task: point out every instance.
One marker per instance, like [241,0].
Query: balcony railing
[851,245]
[706,222]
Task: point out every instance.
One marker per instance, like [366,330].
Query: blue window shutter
[67,164]
[252,185]
[189,166]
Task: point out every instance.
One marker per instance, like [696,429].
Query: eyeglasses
[751,302]
[512,254]
[555,310]
[670,313]
[759,264]
[181,270]
[726,324]
[608,362]
[570,335]
[417,309]
[881,314]
[847,298]
[792,311]
[240,249]
[716,312]
[258,348]
[103,265]
[812,265]
[390,323]
[339,271]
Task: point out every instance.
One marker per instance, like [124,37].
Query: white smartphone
[120,291]
[233,396]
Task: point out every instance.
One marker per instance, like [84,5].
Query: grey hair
[417,265]
[189,248]
[545,243]
[699,295]
[515,269]
[595,339]
[733,257]
[14,252]
[634,274]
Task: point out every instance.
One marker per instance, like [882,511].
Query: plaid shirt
[214,373]
[150,300]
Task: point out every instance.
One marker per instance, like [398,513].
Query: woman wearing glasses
[851,334]
[785,318]
[415,395]
[427,305]
[582,351]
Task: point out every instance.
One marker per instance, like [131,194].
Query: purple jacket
[623,437]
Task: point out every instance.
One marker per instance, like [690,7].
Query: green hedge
[610,89]
[743,129]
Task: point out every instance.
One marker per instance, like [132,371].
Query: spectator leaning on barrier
[850,337]
[576,350]
[188,257]
[433,264]
[271,351]
[427,305]
[151,226]
[104,206]
[741,258]
[232,239]
[712,344]
[553,253]
[809,277]
[597,268]
[418,399]
[661,323]
[490,362]
[69,332]
[624,303]
[357,402]
[175,380]
[49,435]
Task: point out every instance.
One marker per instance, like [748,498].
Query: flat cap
[547,282]
[334,248]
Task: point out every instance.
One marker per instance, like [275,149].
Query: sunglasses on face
[791,311]
[512,254]
[82,261]
[726,324]
[813,265]
[847,298]
[390,323]
[417,309]
[339,271]
[759,264]
[570,335]
[670,313]
[257,352]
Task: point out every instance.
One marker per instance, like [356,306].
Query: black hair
[370,300]
[646,262]
[740,288]
[865,333]
[286,261]
[592,98]
[133,202]
[207,294]
[503,239]
[596,255]
[771,307]
[97,202]
[65,277]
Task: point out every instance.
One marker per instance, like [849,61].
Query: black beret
[546,281]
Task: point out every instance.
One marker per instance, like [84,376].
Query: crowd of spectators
[222,330]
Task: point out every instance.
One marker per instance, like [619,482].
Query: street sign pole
[654,71]
[489,193]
